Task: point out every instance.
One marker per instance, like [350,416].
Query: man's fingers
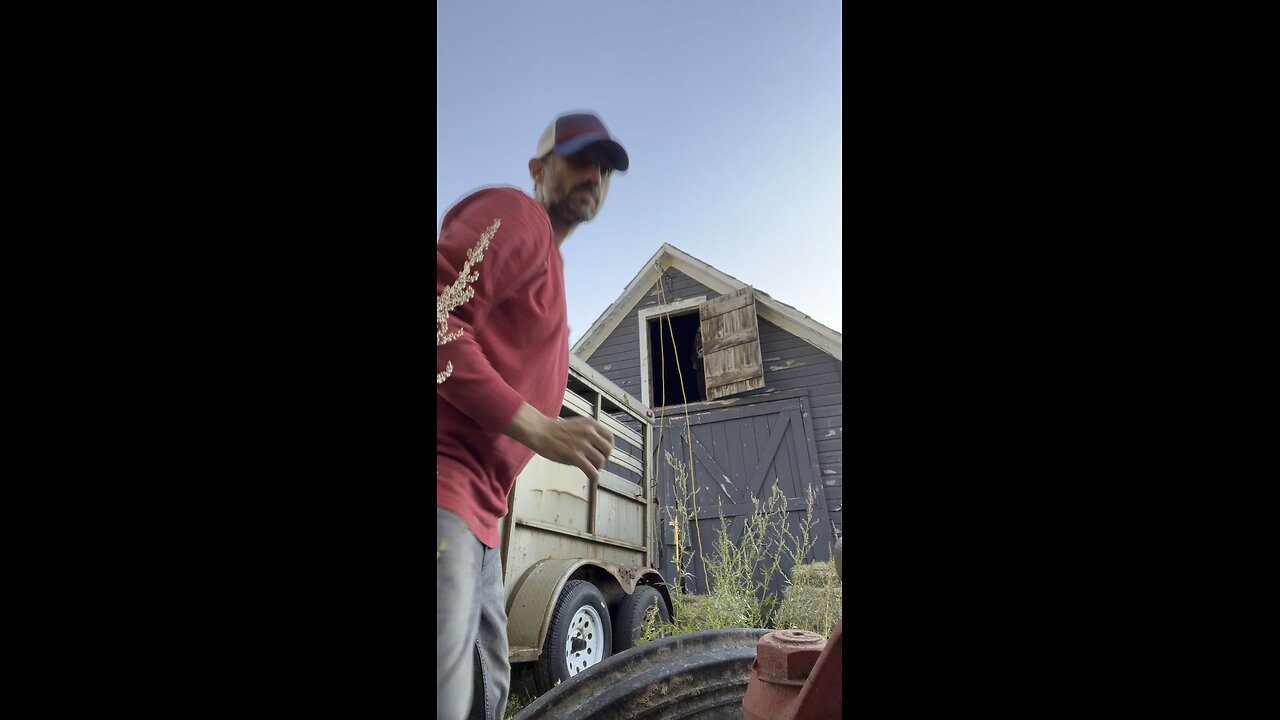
[595,458]
[604,431]
[589,442]
[585,466]
[604,447]
[603,440]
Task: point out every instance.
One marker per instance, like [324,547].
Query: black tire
[694,676]
[580,617]
[629,619]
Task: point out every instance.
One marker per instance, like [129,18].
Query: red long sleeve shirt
[514,349]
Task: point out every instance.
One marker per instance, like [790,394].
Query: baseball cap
[570,133]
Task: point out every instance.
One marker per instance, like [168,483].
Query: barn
[747,387]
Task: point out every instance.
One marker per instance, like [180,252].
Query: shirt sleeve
[515,252]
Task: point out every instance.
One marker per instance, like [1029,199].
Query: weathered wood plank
[619,353]
[786,342]
[719,446]
[730,374]
[770,451]
[828,399]
[733,358]
[727,327]
[728,303]
[733,449]
[825,411]
[816,387]
[738,387]
[723,338]
[629,365]
[814,378]
[718,475]
[819,375]
[761,427]
[621,339]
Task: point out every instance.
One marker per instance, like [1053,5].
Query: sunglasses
[586,158]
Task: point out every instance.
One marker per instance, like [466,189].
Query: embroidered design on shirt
[458,293]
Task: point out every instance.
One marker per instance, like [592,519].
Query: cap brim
[616,153]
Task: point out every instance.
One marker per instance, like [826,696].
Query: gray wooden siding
[789,363]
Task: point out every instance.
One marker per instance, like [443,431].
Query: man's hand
[579,441]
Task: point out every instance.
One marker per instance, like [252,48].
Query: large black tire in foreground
[695,676]
[629,619]
[580,635]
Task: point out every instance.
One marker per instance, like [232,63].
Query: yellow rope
[697,529]
[662,360]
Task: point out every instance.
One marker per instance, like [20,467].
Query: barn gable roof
[779,313]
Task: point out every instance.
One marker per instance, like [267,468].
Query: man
[501,400]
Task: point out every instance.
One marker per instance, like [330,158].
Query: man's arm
[475,387]
[580,441]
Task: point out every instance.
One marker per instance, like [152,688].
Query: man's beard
[570,210]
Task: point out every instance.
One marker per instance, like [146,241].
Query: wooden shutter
[731,344]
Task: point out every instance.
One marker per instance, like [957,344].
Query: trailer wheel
[631,612]
[580,635]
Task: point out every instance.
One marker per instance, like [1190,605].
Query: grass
[522,693]
[740,571]
[812,600]
[517,702]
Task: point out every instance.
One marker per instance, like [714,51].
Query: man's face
[573,188]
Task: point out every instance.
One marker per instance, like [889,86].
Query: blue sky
[729,110]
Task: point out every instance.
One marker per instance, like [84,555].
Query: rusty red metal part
[823,693]
[796,676]
[783,661]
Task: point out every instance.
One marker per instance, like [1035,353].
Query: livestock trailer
[578,557]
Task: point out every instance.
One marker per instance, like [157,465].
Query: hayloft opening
[686,350]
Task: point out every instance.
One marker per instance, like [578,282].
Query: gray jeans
[472,668]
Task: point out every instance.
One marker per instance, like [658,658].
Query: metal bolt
[787,656]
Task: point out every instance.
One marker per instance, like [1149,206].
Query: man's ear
[535,170]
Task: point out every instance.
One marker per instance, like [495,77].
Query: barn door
[739,453]
[731,344]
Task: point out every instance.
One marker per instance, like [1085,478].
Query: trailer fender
[531,602]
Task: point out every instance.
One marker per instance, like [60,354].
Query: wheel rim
[587,629]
